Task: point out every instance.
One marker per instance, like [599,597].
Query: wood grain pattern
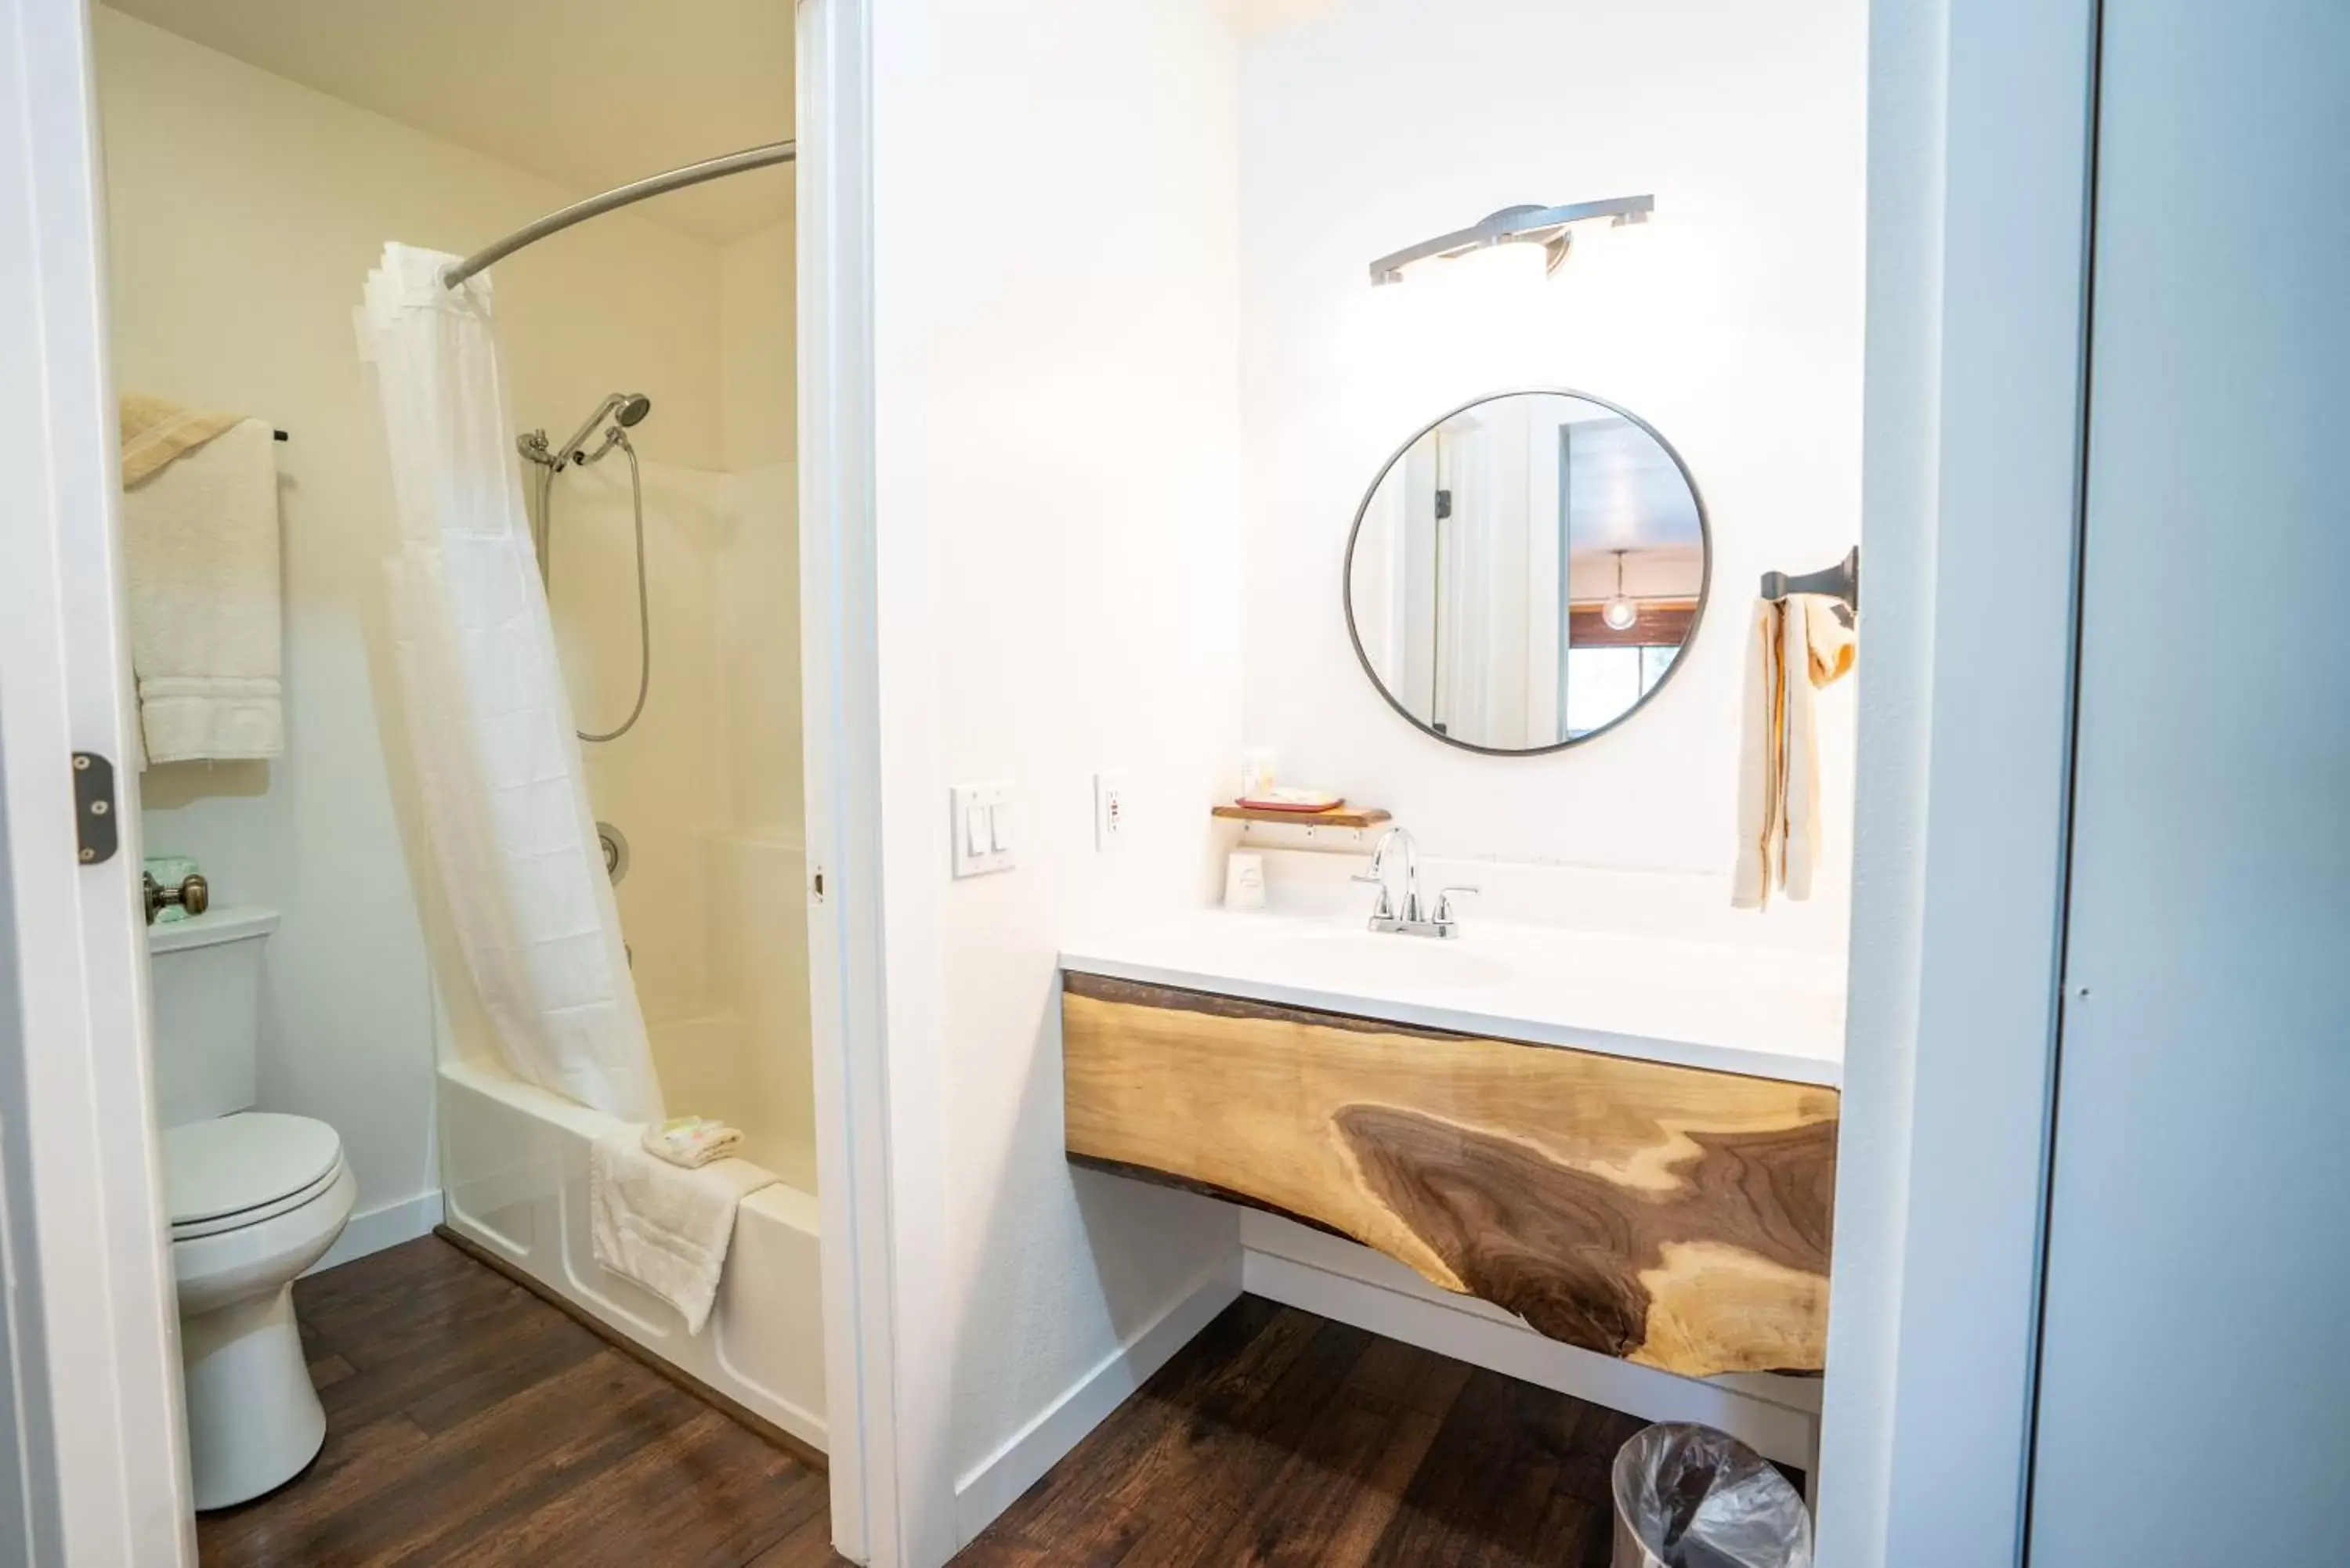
[1280,1438]
[1662,623]
[1671,1216]
[468,1421]
[734,1408]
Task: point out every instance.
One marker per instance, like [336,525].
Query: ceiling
[1625,491]
[588,93]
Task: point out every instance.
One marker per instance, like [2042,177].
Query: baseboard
[379,1228]
[1333,1278]
[993,1485]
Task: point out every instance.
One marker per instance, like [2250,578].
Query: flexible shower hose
[644,602]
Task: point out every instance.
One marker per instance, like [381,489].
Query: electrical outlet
[1110,811]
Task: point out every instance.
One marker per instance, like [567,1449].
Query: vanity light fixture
[1619,612]
[1549,227]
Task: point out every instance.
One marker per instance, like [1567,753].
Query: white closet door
[2194,1403]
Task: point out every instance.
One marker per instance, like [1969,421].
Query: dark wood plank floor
[1277,1437]
[468,1421]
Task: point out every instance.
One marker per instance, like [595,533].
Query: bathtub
[514,1174]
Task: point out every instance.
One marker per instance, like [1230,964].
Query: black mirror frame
[1696,618]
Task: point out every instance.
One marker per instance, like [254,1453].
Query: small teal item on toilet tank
[171,871]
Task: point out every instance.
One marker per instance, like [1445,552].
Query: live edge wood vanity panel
[1668,1215]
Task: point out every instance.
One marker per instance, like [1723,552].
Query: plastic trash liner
[1689,1497]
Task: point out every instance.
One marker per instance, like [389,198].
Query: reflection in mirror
[1524,573]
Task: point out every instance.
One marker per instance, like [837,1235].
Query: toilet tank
[206,979]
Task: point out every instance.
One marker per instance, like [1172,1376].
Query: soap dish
[1340,815]
[1292,800]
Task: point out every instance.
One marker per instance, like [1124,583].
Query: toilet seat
[238,1171]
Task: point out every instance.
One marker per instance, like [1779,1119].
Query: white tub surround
[515,1159]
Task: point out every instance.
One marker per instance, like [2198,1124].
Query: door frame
[82,1230]
[888,1344]
[1980,158]
[96,1320]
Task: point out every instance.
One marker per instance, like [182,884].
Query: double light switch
[983,829]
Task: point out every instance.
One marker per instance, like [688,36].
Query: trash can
[1689,1497]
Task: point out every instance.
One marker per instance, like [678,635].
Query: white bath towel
[199,543]
[665,1226]
[1794,647]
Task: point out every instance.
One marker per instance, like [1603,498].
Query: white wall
[1732,323]
[1056,467]
[244,212]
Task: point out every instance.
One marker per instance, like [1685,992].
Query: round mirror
[1525,571]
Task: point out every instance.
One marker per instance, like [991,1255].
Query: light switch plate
[1111,804]
[982,829]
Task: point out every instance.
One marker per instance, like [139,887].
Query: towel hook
[1840,581]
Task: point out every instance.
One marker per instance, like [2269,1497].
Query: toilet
[256,1198]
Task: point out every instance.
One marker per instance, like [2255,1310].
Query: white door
[2194,1402]
[92,1322]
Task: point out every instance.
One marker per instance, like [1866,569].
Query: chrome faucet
[1410,918]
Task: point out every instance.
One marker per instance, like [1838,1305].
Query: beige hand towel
[155,432]
[1818,651]
[1794,647]
[1761,755]
[200,549]
[663,1226]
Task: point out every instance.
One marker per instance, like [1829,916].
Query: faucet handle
[1444,915]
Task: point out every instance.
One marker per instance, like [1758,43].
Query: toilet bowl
[255,1199]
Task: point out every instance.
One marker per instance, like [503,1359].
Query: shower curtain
[504,797]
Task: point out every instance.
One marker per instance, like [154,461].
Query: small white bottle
[1256,774]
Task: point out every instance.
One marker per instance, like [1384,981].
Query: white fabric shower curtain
[505,799]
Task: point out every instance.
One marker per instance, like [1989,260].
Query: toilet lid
[215,1169]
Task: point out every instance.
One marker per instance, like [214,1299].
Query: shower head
[626,408]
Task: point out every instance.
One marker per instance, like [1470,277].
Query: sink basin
[1756,1011]
[1366,961]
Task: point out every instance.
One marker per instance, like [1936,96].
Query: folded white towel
[692,1142]
[662,1226]
[199,543]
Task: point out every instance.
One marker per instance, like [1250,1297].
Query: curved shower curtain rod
[637,191]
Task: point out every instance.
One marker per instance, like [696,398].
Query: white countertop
[1770,1014]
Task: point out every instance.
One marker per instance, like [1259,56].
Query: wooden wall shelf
[1338,816]
[1667,1215]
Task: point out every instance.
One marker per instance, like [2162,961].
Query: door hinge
[1443,505]
[94,828]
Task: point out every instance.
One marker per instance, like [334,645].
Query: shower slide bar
[717,168]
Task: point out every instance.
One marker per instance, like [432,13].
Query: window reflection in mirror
[1525,572]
